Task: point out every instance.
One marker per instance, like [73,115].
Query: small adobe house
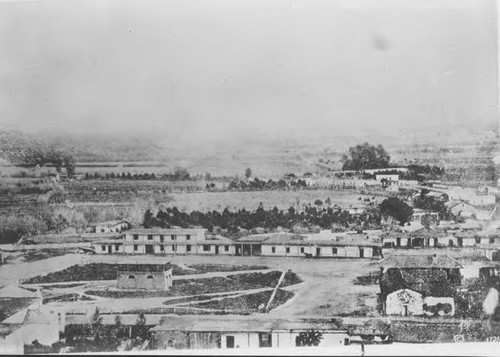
[237,332]
[145,276]
[419,284]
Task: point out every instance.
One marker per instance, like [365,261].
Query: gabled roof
[285,238]
[35,317]
[165,231]
[215,239]
[420,261]
[117,240]
[255,238]
[110,223]
[229,324]
[311,240]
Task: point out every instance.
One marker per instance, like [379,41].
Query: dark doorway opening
[229,341]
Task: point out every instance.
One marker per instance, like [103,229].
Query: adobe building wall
[145,280]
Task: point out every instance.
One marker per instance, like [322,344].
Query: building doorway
[109,249]
[229,341]
[398,242]
[265,340]
[318,252]
[216,250]
[149,249]
[256,249]
[247,250]
[405,310]
[361,253]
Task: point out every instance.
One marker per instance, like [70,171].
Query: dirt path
[327,289]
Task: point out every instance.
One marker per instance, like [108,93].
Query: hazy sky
[211,69]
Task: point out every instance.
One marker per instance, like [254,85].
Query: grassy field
[103,271]
[185,287]
[10,306]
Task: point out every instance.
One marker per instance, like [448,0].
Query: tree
[427,221]
[148,219]
[140,328]
[248,173]
[309,338]
[433,204]
[397,209]
[118,328]
[70,164]
[366,156]
[318,202]
[96,325]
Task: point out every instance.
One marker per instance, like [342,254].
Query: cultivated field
[203,201]
[110,192]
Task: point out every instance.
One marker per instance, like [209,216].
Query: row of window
[111,230]
[162,237]
[302,250]
[206,247]
[117,247]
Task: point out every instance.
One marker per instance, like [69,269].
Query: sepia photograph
[250,177]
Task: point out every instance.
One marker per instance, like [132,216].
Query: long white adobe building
[197,242]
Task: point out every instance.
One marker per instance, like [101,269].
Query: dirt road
[327,287]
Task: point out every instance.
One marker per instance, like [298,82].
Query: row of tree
[323,217]
[175,176]
[257,184]
[233,221]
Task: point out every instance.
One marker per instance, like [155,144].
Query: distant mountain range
[302,149]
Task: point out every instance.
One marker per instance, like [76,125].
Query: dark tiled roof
[165,231]
[420,261]
[225,324]
[297,239]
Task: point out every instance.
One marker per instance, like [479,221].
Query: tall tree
[148,219]
[394,207]
[248,173]
[366,156]
[96,325]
